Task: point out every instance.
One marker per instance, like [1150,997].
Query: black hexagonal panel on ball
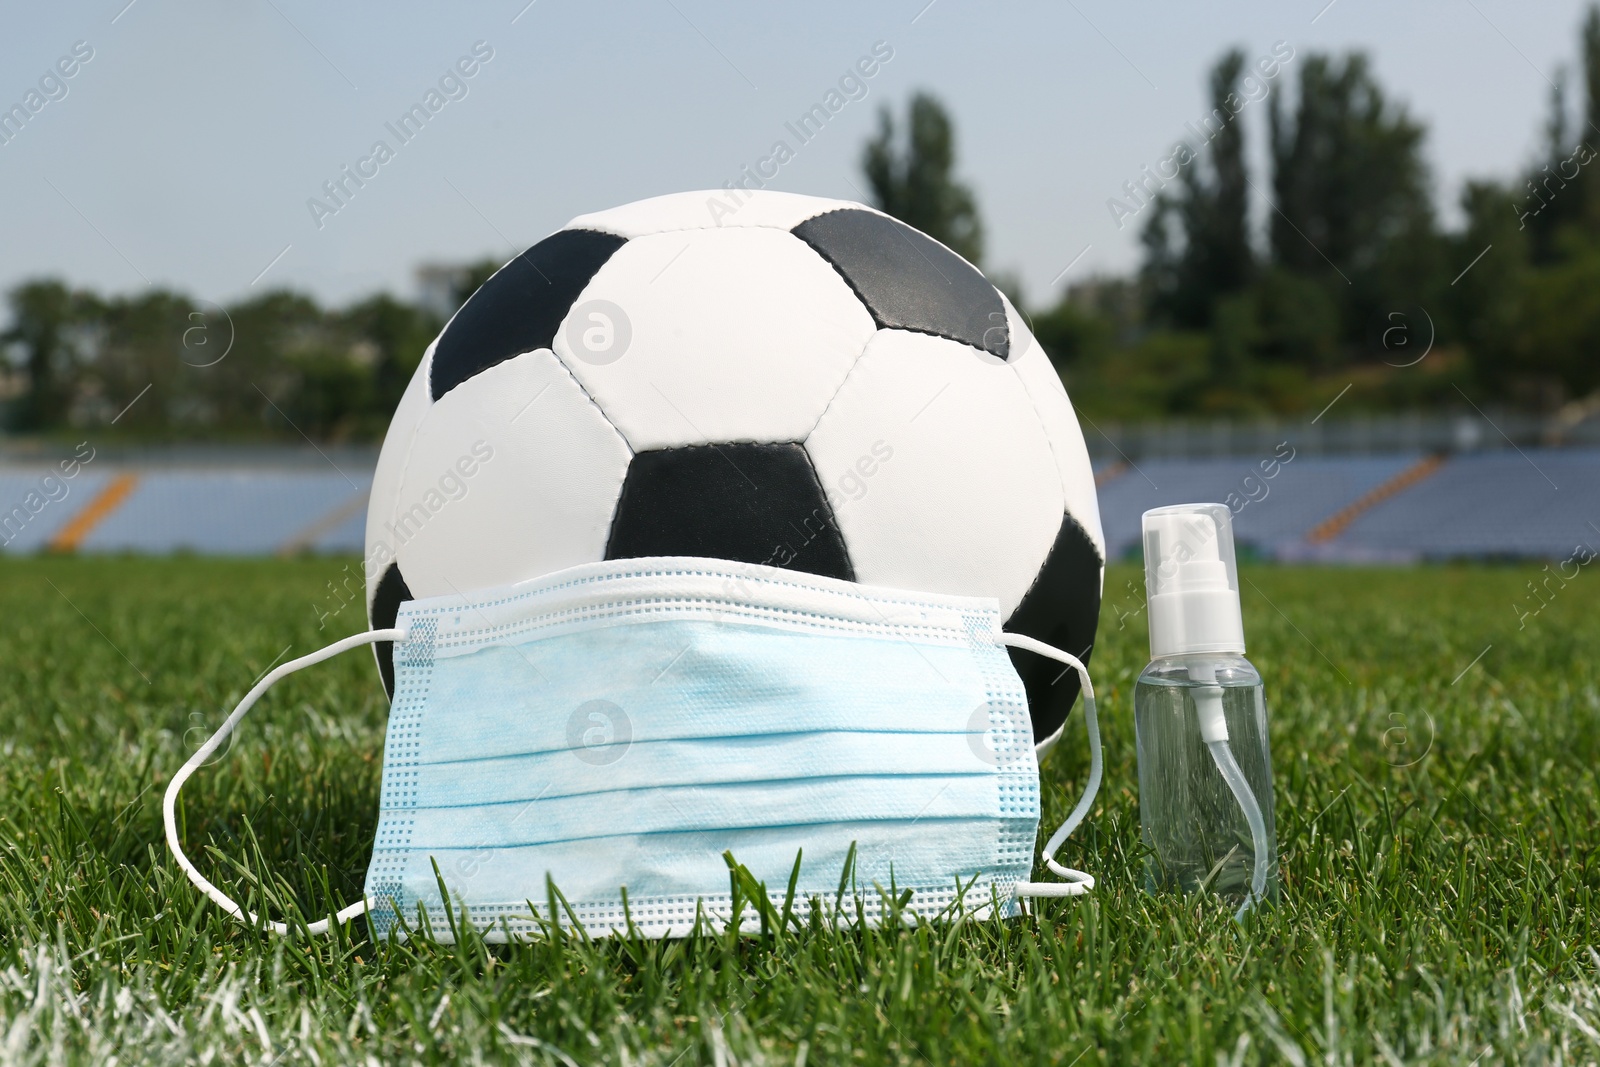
[908,280]
[521,307]
[756,503]
[385,608]
[1061,609]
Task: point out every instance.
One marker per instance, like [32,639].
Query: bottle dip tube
[1205,767]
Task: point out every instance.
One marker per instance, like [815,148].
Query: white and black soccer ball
[778,379]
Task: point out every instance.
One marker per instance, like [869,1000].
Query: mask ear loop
[1078,883]
[169,804]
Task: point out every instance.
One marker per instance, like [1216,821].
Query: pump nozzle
[1192,580]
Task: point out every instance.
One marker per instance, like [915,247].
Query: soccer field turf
[1437,820]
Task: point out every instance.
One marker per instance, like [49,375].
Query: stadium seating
[22,529]
[1537,503]
[247,513]
[251,510]
[1269,513]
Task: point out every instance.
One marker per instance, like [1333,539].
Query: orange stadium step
[1111,474]
[309,535]
[96,511]
[1339,521]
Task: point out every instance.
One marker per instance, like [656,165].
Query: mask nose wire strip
[169,803]
[1078,883]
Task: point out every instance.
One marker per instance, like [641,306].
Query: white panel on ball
[708,209]
[542,500]
[714,335]
[1049,397]
[384,500]
[963,494]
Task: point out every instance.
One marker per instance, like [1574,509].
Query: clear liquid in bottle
[1196,831]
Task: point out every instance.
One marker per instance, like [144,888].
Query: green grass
[1440,912]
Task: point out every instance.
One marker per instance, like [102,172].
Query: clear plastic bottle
[1197,833]
[1205,766]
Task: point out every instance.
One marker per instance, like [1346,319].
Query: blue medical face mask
[621,726]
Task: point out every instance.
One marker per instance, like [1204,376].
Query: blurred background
[1334,263]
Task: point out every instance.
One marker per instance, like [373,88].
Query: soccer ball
[755,376]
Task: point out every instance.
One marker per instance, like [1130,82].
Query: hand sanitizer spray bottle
[1205,771]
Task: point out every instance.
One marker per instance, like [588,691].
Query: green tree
[258,387]
[1352,191]
[1560,197]
[915,182]
[1589,133]
[1487,301]
[1210,257]
[399,333]
[1074,337]
[1553,347]
[142,345]
[50,336]
[1528,310]
[1549,201]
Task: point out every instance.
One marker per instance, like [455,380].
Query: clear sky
[184,152]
